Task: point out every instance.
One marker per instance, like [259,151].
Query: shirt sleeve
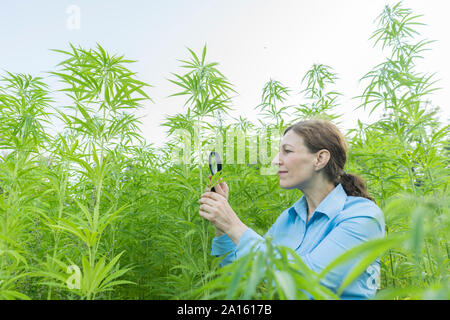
[249,239]
[222,245]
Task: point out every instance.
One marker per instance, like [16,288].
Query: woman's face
[295,162]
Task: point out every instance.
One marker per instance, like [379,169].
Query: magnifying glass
[215,164]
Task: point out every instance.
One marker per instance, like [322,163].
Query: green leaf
[286,284]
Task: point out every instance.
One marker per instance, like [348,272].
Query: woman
[334,214]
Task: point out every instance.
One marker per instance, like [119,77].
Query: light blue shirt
[338,223]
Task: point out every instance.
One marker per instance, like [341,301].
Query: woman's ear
[322,158]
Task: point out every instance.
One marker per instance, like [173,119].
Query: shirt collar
[331,205]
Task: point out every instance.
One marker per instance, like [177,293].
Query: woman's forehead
[291,139]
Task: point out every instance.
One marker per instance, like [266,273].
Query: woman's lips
[281,172]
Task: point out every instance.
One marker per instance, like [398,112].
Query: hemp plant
[274,93]
[320,102]
[409,140]
[207,90]
[102,90]
[23,103]
[403,94]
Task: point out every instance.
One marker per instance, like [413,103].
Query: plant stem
[205,235]
[390,260]
[57,235]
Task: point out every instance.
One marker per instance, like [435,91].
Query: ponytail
[354,186]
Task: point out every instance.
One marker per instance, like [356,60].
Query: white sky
[252,40]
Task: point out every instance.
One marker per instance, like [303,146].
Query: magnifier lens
[215,164]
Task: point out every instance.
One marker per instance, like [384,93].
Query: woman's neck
[316,192]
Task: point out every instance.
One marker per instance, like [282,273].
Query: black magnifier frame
[218,160]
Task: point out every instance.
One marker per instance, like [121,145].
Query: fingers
[209,205]
[212,195]
[206,201]
[208,216]
[220,188]
[206,208]
[224,186]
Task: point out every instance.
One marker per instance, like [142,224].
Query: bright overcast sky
[252,40]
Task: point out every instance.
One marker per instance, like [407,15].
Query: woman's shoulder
[356,207]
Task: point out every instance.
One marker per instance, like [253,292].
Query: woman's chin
[285,185]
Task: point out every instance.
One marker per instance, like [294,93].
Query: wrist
[218,232]
[236,232]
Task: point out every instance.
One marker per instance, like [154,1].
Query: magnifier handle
[212,188]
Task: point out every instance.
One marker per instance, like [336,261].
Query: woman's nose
[276,160]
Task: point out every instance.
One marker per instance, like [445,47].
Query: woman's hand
[214,207]
[222,189]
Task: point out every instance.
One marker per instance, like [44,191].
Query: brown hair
[321,134]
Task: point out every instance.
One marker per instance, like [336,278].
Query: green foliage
[320,102]
[273,94]
[278,272]
[93,212]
